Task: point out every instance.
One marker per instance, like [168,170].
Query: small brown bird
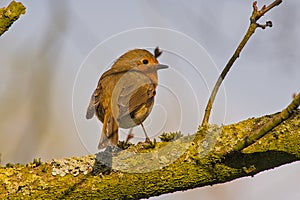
[125,94]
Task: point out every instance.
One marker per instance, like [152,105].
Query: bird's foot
[129,137]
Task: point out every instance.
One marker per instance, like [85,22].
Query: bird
[124,96]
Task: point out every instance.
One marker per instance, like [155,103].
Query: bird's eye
[145,61]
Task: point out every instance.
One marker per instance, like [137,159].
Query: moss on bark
[192,168]
[10,14]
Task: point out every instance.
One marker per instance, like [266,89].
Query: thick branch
[10,14]
[256,15]
[191,170]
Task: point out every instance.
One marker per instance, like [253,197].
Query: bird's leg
[130,135]
[147,138]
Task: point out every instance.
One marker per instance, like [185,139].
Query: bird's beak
[161,66]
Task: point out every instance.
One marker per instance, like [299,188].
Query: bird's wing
[95,98]
[141,96]
[94,102]
[135,93]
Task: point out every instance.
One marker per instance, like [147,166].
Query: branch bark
[10,14]
[196,167]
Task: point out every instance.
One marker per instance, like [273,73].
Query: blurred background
[42,53]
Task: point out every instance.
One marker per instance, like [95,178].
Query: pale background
[42,52]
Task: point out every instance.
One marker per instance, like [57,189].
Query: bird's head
[139,59]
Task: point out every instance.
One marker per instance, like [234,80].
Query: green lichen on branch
[168,137]
[10,14]
[190,170]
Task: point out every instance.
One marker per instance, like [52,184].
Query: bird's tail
[109,134]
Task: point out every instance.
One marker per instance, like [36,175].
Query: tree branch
[192,169]
[10,14]
[256,15]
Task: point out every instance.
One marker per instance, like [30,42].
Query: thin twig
[256,15]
